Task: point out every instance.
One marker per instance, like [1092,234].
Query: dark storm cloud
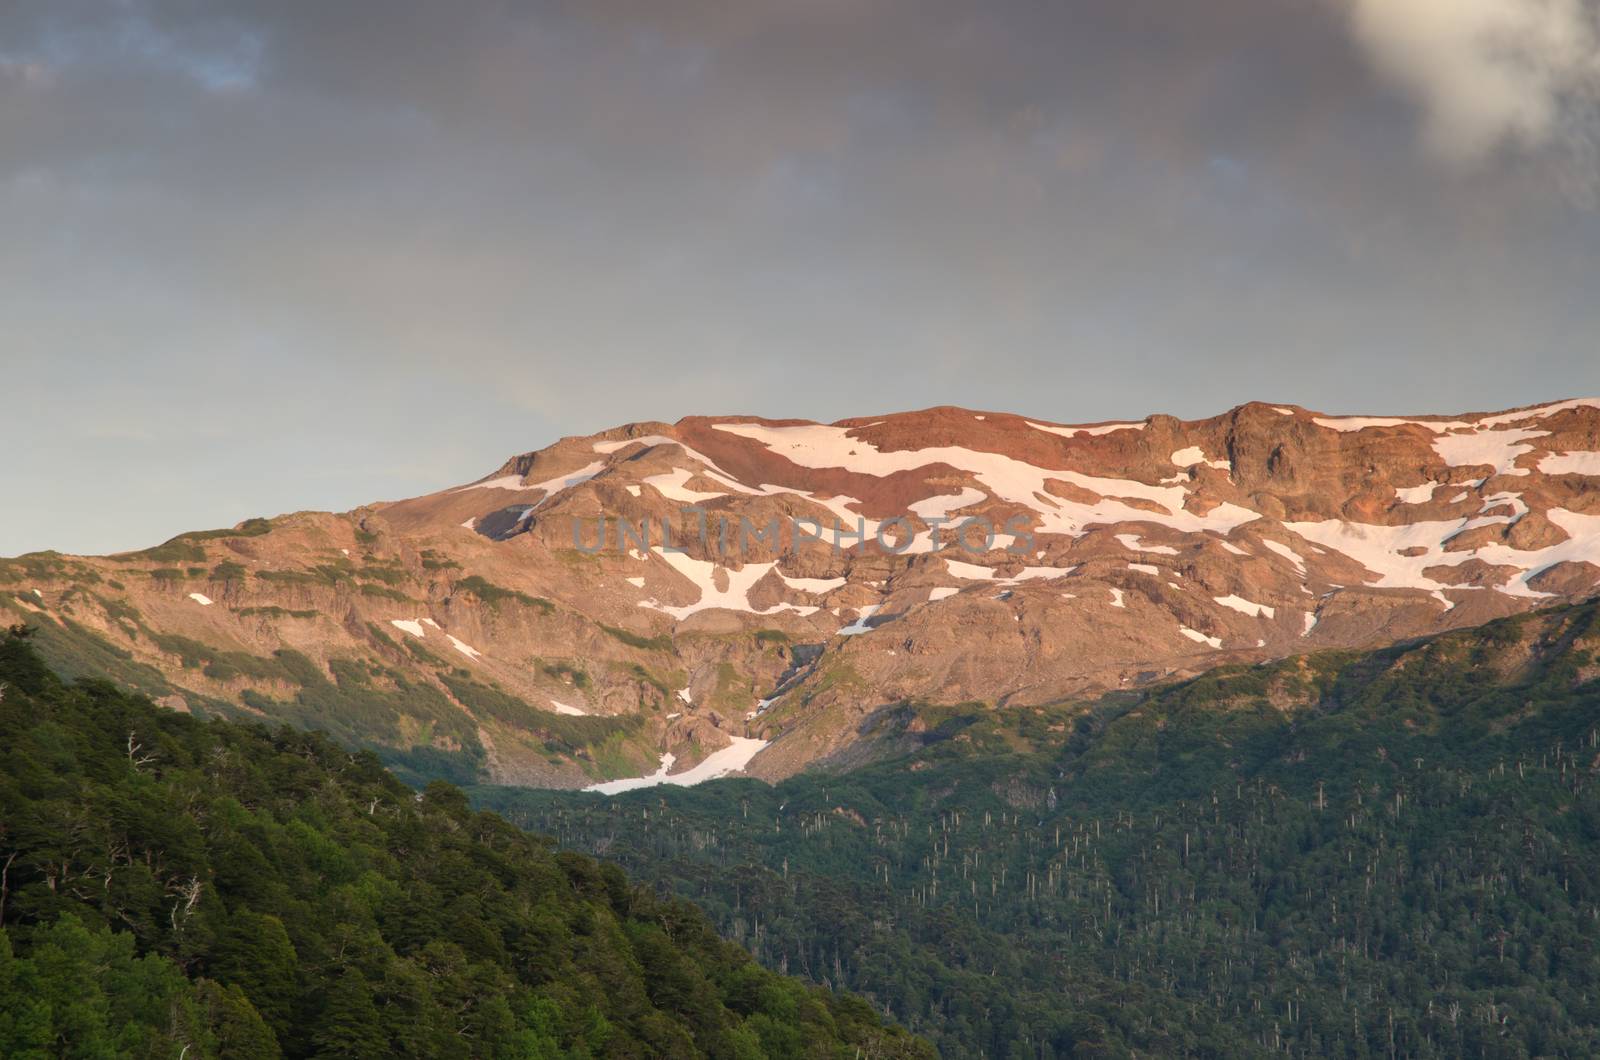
[391,242]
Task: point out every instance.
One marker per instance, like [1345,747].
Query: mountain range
[671,602]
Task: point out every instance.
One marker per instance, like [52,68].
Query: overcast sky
[265,256]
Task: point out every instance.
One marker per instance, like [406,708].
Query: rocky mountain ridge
[817,575]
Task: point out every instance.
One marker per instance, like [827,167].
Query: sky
[260,256]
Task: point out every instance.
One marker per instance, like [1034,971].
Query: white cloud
[1487,73]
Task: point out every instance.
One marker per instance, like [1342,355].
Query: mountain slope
[178,888]
[489,630]
[1344,854]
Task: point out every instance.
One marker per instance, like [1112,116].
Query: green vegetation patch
[383,592]
[389,574]
[186,548]
[565,671]
[244,892]
[561,733]
[494,595]
[660,642]
[35,565]
[229,571]
[324,574]
[273,611]
[649,677]
[1241,864]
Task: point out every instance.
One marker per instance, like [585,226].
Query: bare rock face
[722,594]
[1535,532]
[1476,538]
[1567,579]
[1474,573]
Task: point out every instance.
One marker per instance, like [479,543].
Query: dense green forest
[175,888]
[1394,854]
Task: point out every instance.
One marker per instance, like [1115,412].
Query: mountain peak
[739,585]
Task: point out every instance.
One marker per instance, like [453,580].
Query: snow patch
[1003,477]
[465,649]
[199,598]
[1144,568]
[1378,548]
[562,708]
[812,585]
[672,486]
[1248,607]
[941,507]
[702,574]
[1200,638]
[1116,598]
[407,625]
[941,593]
[1416,494]
[712,471]
[1188,456]
[860,624]
[1074,432]
[1538,412]
[1287,553]
[731,759]
[637,583]
[1571,464]
[1346,424]
[1132,543]
[970,571]
[1498,449]
[551,486]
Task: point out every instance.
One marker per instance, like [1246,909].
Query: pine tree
[349,1027]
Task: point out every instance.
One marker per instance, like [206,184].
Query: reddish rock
[1571,578]
[1473,572]
[1535,531]
[1475,538]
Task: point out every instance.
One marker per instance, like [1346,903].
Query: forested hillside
[177,888]
[1392,854]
